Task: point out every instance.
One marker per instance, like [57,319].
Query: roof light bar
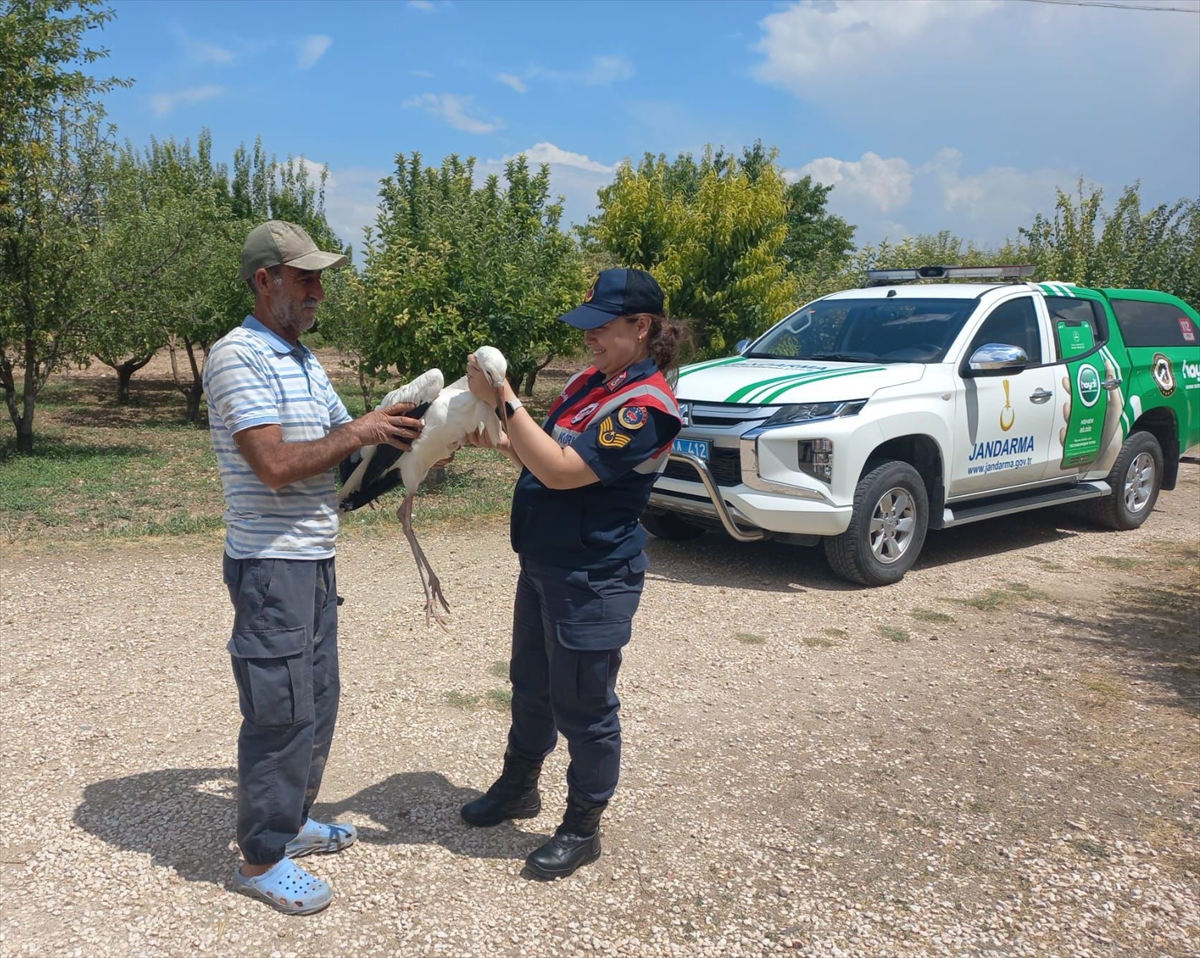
[886,277]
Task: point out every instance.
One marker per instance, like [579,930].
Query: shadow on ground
[1155,631]
[772,566]
[173,814]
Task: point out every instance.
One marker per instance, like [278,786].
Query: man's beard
[291,316]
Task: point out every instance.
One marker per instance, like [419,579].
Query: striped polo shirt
[253,378]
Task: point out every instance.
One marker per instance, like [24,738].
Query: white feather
[424,388]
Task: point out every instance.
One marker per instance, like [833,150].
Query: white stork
[453,415]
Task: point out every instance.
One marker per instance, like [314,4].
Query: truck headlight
[808,411]
[815,457]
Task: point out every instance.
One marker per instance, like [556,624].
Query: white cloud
[884,185]
[602,71]
[202,51]
[894,197]
[424,5]
[606,71]
[455,110]
[311,49]
[515,82]
[164,103]
[573,176]
[817,45]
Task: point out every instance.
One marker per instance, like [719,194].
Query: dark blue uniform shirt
[622,428]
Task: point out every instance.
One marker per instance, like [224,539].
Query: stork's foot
[433,598]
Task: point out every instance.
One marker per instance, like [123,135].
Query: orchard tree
[158,209]
[451,266]
[1080,243]
[53,150]
[205,297]
[712,233]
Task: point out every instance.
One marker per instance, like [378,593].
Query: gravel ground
[996,757]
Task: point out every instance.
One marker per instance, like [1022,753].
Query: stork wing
[423,389]
[378,471]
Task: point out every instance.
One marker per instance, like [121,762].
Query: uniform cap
[278,243]
[616,292]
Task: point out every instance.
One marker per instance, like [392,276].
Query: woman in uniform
[586,477]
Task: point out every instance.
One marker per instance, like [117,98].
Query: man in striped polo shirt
[279,429]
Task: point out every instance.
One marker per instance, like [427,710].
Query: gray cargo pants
[285,663]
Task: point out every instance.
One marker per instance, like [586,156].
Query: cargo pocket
[274,676]
[594,635]
[596,677]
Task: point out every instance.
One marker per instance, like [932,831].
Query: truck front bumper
[747,513]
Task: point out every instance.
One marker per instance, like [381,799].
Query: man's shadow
[183,818]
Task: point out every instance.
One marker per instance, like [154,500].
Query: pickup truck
[871,415]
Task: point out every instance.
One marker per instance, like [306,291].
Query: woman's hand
[478,383]
[481,438]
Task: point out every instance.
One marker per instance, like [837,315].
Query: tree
[712,233]
[451,266]
[1158,249]
[52,152]
[158,209]
[204,297]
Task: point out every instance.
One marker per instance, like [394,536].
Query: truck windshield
[897,330]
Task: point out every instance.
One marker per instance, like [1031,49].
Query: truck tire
[887,527]
[1135,478]
[667,525]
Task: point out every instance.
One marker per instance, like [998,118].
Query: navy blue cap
[616,292]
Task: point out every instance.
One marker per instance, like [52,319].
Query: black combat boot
[576,842]
[513,795]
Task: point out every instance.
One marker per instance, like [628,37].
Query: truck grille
[724,464]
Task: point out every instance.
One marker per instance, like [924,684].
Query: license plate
[694,447]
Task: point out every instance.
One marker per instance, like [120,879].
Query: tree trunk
[530,379]
[124,373]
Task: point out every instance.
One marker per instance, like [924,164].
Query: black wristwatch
[510,407]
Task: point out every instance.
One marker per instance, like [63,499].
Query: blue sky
[924,114]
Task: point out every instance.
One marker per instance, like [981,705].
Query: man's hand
[390,426]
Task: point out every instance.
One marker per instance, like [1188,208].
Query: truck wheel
[667,525]
[1135,478]
[887,527]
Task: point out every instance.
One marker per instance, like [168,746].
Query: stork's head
[493,364]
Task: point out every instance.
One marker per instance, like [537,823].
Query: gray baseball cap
[277,243]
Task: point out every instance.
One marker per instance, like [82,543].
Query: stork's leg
[432,586]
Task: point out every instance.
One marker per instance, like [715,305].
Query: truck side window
[1153,324]
[1076,312]
[1013,323]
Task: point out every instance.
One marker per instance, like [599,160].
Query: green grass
[893,632]
[499,669]
[1120,562]
[816,642]
[835,632]
[749,638]
[103,471]
[930,615]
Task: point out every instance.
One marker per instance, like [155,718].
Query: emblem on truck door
[1164,377]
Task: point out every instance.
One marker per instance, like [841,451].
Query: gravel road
[996,757]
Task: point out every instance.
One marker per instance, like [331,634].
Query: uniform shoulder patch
[609,437]
[632,417]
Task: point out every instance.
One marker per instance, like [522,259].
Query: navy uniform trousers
[569,627]
[285,663]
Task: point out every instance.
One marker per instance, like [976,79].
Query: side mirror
[741,346]
[995,359]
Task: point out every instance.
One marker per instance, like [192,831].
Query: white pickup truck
[869,416]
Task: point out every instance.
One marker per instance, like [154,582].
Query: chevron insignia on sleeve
[610,438]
